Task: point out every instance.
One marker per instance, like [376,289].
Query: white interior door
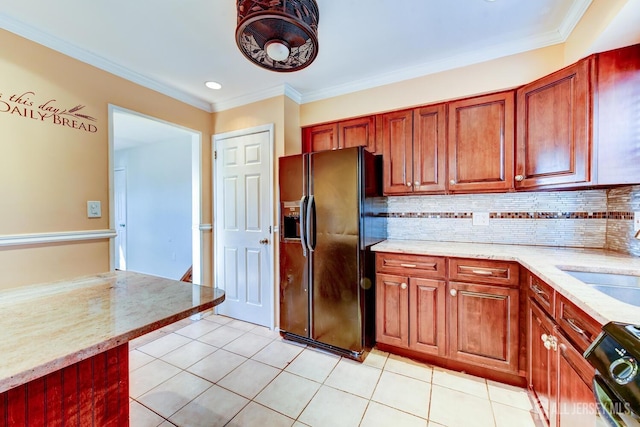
[120,196]
[243,217]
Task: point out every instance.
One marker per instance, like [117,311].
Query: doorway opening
[154,195]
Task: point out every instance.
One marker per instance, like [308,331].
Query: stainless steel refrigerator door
[294,278]
[335,309]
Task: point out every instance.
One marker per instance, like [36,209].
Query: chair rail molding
[54,237]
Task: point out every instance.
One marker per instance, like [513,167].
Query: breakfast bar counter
[64,346]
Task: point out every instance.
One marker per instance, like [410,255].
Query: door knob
[264,242]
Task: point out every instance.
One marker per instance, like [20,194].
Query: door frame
[116,254]
[271,267]
[197,228]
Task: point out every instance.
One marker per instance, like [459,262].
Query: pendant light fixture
[279,35]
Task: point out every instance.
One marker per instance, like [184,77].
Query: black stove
[616,356]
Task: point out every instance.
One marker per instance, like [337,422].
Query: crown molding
[576,11]
[37,36]
[239,101]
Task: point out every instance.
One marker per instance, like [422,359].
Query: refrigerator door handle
[311,224]
[303,240]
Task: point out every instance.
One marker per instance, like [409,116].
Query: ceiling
[174,46]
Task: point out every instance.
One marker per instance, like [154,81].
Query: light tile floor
[218,371]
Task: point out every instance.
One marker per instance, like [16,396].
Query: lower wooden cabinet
[483,325]
[410,313]
[471,323]
[558,375]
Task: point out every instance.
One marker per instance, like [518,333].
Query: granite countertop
[546,263]
[50,326]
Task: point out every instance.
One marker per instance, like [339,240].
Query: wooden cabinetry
[356,132]
[484,327]
[397,152]
[554,129]
[481,143]
[558,375]
[473,323]
[410,303]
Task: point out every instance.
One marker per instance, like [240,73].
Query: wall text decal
[50,111]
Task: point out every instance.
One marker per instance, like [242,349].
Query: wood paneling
[481,143]
[392,310]
[427,315]
[618,116]
[92,392]
[484,325]
[397,149]
[429,149]
[358,132]
[320,138]
[554,129]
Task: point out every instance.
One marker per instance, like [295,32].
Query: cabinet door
[554,138]
[427,316]
[481,143]
[429,139]
[483,324]
[397,149]
[541,361]
[320,138]
[576,405]
[358,132]
[392,310]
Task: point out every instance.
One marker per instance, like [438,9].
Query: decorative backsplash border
[514,215]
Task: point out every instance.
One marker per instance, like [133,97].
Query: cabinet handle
[452,182]
[519,178]
[482,272]
[403,286]
[408,184]
[540,292]
[408,265]
[575,327]
[453,292]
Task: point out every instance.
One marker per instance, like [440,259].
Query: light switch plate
[480,218]
[636,221]
[93,209]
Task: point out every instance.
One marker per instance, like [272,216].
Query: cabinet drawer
[581,328]
[473,270]
[542,293]
[412,265]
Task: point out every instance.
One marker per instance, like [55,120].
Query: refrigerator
[329,217]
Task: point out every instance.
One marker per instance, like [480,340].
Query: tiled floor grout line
[382,369]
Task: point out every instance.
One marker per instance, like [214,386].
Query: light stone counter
[546,263]
[44,328]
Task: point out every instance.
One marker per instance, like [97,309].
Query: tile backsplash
[589,218]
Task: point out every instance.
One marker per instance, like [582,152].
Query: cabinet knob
[452,182]
[416,184]
[403,286]
[408,184]
[453,292]
[519,178]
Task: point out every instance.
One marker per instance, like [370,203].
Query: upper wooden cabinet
[480,143]
[344,134]
[397,152]
[554,123]
[618,101]
[413,147]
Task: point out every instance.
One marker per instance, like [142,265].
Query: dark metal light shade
[288,24]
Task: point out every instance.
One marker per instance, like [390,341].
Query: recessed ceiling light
[213,85]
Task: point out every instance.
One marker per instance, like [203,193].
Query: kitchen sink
[623,287]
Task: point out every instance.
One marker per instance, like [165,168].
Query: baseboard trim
[56,237]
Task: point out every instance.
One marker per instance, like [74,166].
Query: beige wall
[49,171]
[498,74]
